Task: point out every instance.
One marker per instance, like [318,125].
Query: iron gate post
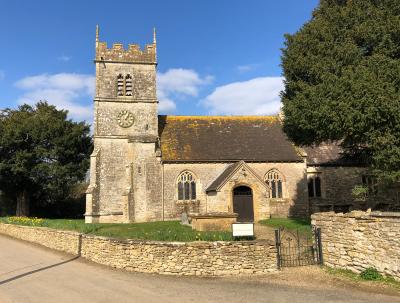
[278,247]
[298,247]
[320,255]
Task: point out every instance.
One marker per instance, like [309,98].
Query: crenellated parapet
[118,53]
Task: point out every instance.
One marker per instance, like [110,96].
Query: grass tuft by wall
[157,231]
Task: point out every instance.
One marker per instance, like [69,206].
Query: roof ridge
[274,117]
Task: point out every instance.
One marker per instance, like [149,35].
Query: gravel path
[264,232]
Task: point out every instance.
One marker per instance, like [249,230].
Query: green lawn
[160,231]
[303,225]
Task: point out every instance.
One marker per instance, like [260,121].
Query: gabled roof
[223,176]
[229,171]
[225,138]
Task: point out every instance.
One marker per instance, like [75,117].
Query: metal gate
[295,248]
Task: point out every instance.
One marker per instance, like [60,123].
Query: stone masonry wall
[294,202]
[336,188]
[177,258]
[66,241]
[337,184]
[173,258]
[358,240]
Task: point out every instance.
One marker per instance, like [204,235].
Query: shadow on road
[37,270]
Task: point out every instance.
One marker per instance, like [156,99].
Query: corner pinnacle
[97,35]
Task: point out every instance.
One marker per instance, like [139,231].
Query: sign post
[243,229]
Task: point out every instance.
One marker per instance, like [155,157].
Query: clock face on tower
[125,118]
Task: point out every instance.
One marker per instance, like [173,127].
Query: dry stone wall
[177,258]
[66,241]
[358,240]
[173,258]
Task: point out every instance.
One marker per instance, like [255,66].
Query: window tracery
[186,186]
[275,181]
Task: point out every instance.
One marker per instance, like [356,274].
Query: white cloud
[178,83]
[258,96]
[246,67]
[2,75]
[166,104]
[62,90]
[65,90]
[65,81]
[64,58]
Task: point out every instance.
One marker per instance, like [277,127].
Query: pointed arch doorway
[243,204]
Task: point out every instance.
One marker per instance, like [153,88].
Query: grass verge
[158,231]
[347,274]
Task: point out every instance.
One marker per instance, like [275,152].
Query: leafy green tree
[342,71]
[42,154]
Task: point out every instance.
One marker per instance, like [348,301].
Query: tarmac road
[29,273]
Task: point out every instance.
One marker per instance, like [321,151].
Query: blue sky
[215,56]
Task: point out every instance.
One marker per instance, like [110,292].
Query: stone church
[149,167]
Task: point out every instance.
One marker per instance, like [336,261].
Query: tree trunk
[22,204]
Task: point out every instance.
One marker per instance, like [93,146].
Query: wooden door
[243,204]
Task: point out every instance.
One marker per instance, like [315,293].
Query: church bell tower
[125,135]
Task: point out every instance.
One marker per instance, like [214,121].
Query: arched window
[120,85]
[128,85]
[186,186]
[274,179]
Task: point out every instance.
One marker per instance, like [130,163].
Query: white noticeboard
[242,229]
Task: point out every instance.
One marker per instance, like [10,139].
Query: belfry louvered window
[124,85]
[274,180]
[186,185]
[120,85]
[128,85]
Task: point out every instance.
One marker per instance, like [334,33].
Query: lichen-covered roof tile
[224,138]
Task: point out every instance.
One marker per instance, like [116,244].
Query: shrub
[360,192]
[371,274]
